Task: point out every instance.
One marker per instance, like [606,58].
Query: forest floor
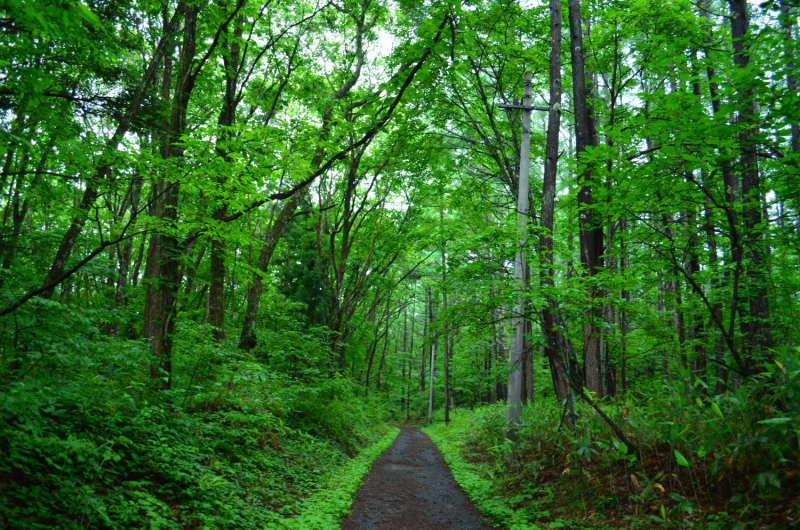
[410,487]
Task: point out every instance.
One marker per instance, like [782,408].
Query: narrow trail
[411,488]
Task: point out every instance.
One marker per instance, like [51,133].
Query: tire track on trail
[411,488]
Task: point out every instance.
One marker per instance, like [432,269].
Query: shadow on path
[411,488]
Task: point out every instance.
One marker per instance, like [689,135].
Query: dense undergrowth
[730,461]
[242,449]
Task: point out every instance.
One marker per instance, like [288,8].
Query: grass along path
[325,509]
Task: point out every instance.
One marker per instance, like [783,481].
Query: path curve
[411,488]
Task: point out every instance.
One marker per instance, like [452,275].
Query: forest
[241,240]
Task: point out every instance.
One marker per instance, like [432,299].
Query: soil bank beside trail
[411,488]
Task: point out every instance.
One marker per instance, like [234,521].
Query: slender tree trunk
[758,325]
[680,325]
[660,308]
[731,186]
[447,331]
[552,351]
[433,358]
[231,63]
[518,322]
[623,314]
[585,137]
[502,355]
[377,340]
[788,22]
[165,298]
[125,257]
[248,340]
[411,350]
[494,381]
[405,355]
[453,394]
[152,263]
[425,339]
[383,359]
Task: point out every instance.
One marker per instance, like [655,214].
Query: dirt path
[411,488]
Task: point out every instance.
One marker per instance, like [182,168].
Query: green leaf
[775,421]
[716,410]
[88,15]
[681,459]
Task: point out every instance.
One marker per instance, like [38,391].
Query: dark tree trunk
[248,340]
[405,355]
[383,359]
[165,298]
[126,254]
[502,355]
[446,331]
[623,313]
[231,63]
[424,340]
[758,325]
[552,351]
[493,378]
[585,137]
[789,22]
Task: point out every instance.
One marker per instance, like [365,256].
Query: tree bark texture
[549,330]
[757,326]
[165,298]
[584,132]
[518,322]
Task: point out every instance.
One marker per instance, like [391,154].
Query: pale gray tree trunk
[518,322]
[433,358]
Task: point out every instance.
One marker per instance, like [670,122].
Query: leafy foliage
[704,463]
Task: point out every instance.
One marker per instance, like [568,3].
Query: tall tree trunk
[585,137]
[433,358]
[405,355]
[502,353]
[248,340]
[494,381]
[680,326]
[660,306]
[731,185]
[165,298]
[383,359]
[446,329]
[758,325]
[411,349]
[231,64]
[789,22]
[552,351]
[518,321]
[623,314]
[125,257]
[152,263]
[385,333]
[452,388]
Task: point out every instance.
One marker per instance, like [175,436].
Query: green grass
[325,509]
[479,482]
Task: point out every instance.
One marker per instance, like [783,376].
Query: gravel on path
[411,488]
